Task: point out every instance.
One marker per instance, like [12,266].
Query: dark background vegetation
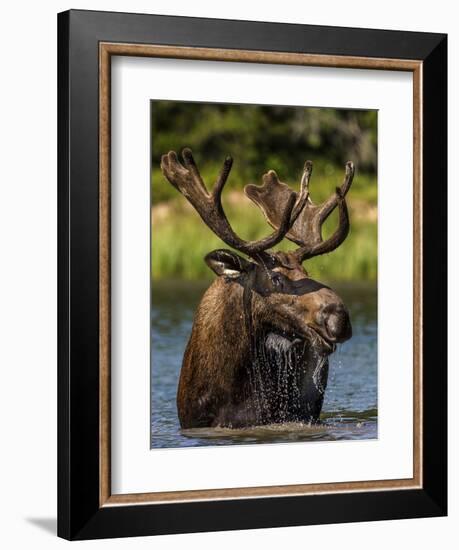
[260,138]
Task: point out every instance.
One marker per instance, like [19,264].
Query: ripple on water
[344,429]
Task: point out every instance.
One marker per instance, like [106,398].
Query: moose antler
[306,229]
[187,179]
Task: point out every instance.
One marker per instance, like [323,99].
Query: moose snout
[336,322]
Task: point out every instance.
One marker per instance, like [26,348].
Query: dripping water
[285,379]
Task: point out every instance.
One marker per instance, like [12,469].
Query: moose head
[263,323]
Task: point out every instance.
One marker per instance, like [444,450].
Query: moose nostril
[338,325]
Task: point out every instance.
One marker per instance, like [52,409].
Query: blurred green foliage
[260,138]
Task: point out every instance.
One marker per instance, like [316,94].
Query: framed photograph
[252,274]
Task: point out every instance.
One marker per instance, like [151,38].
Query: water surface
[350,406]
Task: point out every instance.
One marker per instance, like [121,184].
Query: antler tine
[222,178]
[304,192]
[317,245]
[188,181]
[307,251]
[330,204]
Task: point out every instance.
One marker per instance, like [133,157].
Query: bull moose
[259,346]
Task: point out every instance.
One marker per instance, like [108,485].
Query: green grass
[180,239]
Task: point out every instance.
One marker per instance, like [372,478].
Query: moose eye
[276,280]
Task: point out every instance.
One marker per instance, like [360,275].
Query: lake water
[350,406]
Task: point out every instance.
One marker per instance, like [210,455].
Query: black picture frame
[80,515]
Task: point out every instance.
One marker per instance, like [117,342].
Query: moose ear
[227,263]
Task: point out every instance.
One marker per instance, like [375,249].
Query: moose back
[259,346]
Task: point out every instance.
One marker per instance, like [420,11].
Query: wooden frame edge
[257,56]
[257,492]
[106,50]
[417,274]
[104,277]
